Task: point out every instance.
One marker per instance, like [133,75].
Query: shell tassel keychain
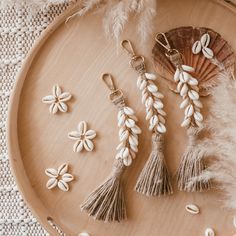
[192,163]
[154,179]
[107,202]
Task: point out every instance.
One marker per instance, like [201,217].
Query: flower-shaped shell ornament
[59,178]
[83,138]
[57,100]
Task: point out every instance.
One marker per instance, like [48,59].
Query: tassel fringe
[107,202]
[154,179]
[191,166]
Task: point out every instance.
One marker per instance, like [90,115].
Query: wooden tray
[74,56]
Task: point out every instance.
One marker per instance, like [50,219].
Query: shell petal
[90,134]
[51,172]
[52,183]
[208,53]
[74,135]
[56,90]
[63,185]
[88,145]
[67,177]
[205,40]
[197,47]
[161,128]
[82,127]
[53,108]
[62,107]
[62,169]
[78,146]
[48,99]
[65,97]
[128,111]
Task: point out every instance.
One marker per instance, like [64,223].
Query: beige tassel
[154,179]
[107,202]
[191,166]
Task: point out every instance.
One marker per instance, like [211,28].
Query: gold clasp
[173,54]
[116,95]
[137,62]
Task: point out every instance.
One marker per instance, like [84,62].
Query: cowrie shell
[192,209]
[209,232]
[184,90]
[189,110]
[186,122]
[63,185]
[184,103]
[196,48]
[193,95]
[188,68]
[208,53]
[150,76]
[84,234]
[52,183]
[205,40]
[176,75]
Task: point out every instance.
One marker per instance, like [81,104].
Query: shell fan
[206,71]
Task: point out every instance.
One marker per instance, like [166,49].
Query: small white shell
[184,90]
[197,103]
[205,40]
[83,234]
[63,185]
[189,110]
[88,145]
[149,102]
[161,112]
[128,111]
[153,121]
[51,173]
[234,221]
[143,85]
[158,95]
[184,103]
[161,128]
[184,77]
[192,209]
[152,88]
[127,161]
[136,130]
[144,97]
[62,169]
[133,140]
[52,183]
[67,177]
[209,232]
[193,95]
[158,104]
[179,86]
[186,122]
[188,68]
[192,81]
[198,116]
[149,114]
[130,123]
[139,81]
[208,53]
[196,48]
[150,76]
[123,134]
[176,75]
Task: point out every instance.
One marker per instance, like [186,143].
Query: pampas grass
[115,13]
[221,145]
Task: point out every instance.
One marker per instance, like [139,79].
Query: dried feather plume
[221,145]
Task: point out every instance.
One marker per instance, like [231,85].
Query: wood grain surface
[74,56]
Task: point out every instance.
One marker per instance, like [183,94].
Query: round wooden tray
[74,56]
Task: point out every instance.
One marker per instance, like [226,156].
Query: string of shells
[128,135]
[188,90]
[151,98]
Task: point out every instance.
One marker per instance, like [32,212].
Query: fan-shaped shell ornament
[206,70]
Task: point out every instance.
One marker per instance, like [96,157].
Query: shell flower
[59,177]
[83,138]
[57,100]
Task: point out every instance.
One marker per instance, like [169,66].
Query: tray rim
[14,154]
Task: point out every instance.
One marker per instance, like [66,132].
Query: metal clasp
[137,61]
[173,54]
[116,96]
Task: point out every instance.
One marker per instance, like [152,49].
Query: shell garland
[151,98]
[59,177]
[128,135]
[202,45]
[187,87]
